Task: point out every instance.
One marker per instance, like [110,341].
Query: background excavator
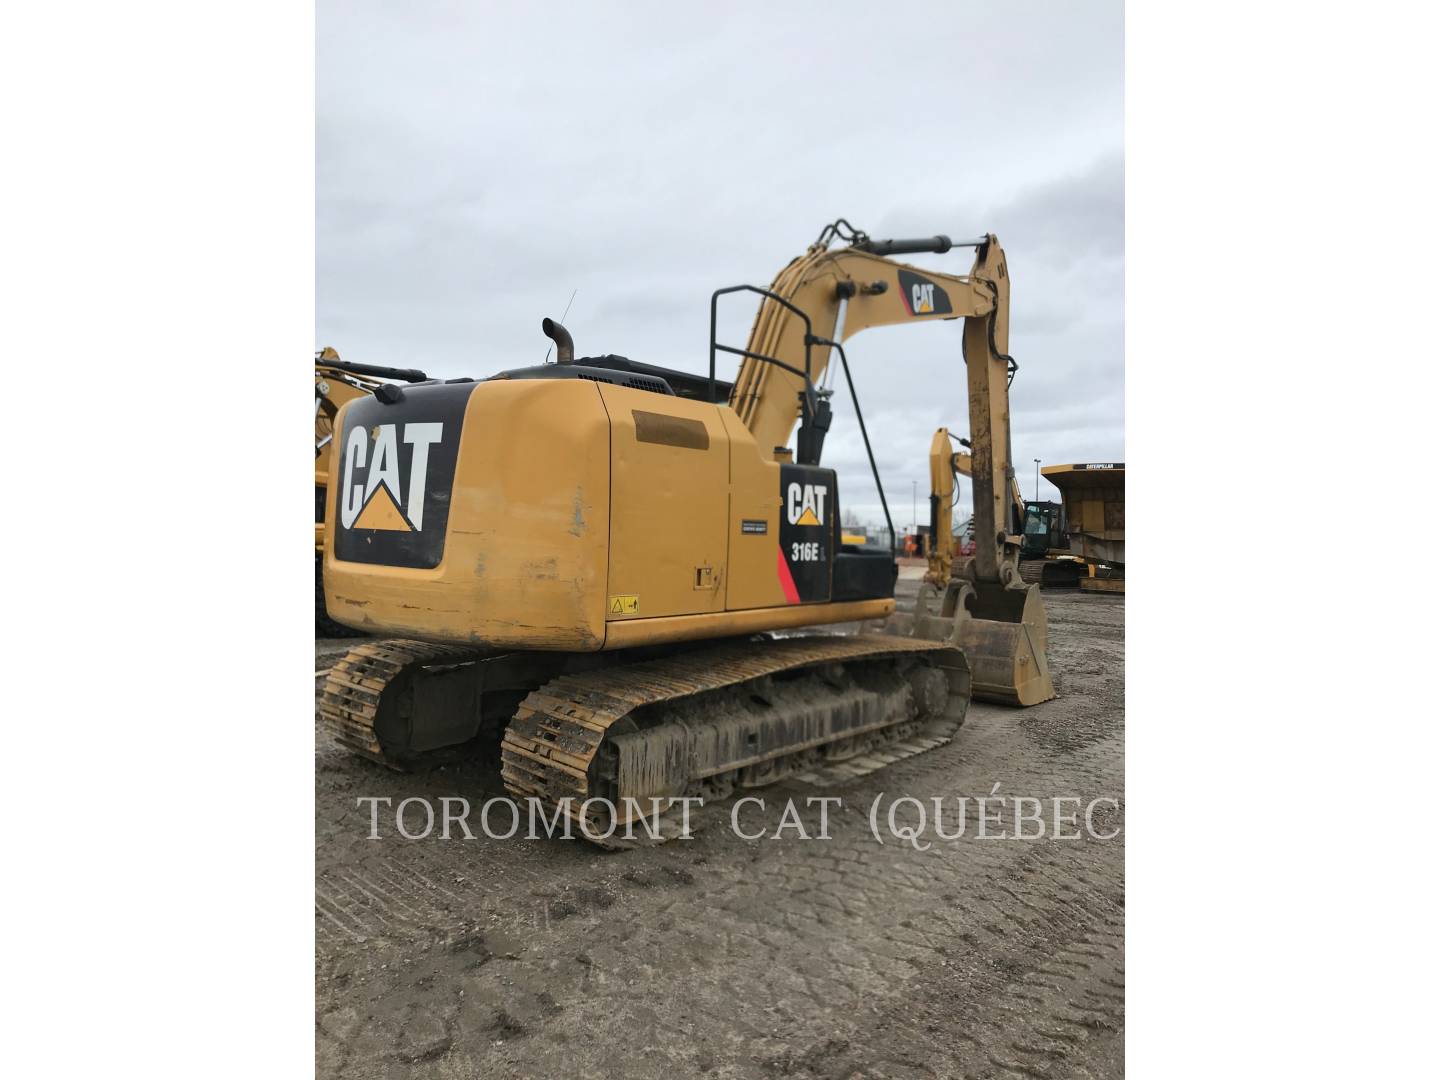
[1044,557]
[584,559]
[337,382]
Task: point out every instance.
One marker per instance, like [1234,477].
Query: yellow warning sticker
[626,604]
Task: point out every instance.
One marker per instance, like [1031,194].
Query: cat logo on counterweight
[376,502]
[392,476]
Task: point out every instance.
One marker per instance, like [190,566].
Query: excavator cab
[1043,529]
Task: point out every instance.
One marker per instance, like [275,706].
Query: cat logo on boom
[805,504]
[374,500]
[921,296]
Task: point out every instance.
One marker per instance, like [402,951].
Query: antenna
[562,319]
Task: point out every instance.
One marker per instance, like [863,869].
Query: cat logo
[805,504]
[373,500]
[921,296]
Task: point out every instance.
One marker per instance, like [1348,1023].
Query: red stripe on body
[787,580]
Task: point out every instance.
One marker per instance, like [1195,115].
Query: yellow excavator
[1036,523]
[592,558]
[336,382]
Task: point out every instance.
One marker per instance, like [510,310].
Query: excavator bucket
[1002,631]
[1004,640]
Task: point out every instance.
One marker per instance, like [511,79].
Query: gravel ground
[727,957]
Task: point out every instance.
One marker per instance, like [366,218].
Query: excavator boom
[829,295]
[846,290]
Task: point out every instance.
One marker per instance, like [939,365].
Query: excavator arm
[827,296]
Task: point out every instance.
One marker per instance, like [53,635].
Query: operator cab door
[669,504]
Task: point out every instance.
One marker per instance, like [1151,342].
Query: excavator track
[706,720]
[351,699]
[1051,573]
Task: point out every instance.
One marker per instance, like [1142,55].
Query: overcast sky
[478,162]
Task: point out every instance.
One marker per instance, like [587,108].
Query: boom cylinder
[937,245]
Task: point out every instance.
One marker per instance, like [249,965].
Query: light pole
[1037,479]
[914,502]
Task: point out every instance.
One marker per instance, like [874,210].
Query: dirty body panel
[525,530]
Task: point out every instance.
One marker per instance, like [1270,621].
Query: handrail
[874,469]
[809,333]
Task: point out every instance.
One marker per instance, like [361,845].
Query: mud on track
[723,957]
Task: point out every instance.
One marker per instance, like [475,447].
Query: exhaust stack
[564,344]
